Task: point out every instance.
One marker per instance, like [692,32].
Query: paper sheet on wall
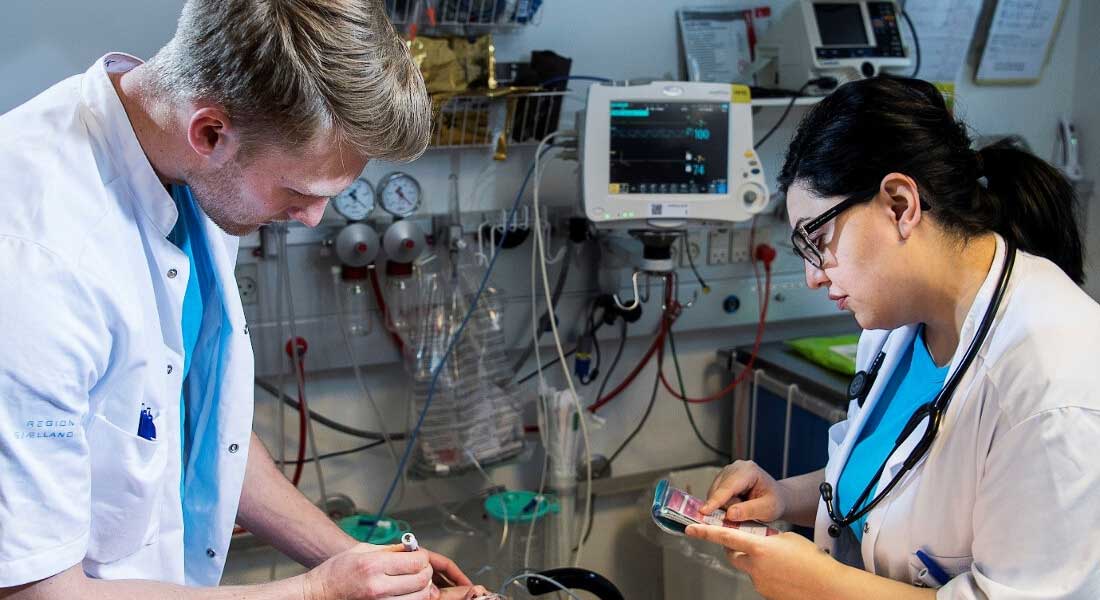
[1018,41]
[716,44]
[944,28]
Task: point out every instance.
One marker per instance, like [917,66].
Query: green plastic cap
[520,506]
[387,531]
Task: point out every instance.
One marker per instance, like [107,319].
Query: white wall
[51,39]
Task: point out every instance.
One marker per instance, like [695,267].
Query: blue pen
[146,428]
[934,569]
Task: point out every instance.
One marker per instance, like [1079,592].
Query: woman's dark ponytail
[866,129]
[1032,204]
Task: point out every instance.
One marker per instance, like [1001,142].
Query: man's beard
[218,195]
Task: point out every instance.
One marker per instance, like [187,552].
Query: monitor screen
[669,147]
[840,24]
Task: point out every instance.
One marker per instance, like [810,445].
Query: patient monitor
[844,39]
[669,156]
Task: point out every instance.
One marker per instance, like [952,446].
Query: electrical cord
[767,255]
[592,327]
[337,453]
[451,346]
[545,365]
[916,43]
[687,407]
[783,117]
[691,263]
[323,420]
[562,78]
[615,360]
[544,320]
[541,244]
[641,424]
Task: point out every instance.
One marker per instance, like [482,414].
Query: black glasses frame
[800,237]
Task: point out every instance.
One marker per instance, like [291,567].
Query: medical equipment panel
[669,154]
[845,39]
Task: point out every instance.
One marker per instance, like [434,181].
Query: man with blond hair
[126,376]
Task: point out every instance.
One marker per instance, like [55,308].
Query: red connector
[765,254]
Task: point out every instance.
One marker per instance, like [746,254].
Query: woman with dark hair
[968,460]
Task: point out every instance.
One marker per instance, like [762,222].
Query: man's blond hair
[289,71]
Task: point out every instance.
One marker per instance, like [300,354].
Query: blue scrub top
[915,381]
[189,237]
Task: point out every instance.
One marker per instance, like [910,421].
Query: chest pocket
[952,565]
[126,482]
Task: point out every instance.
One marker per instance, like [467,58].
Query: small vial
[408,540]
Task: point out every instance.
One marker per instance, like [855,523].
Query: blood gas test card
[674,509]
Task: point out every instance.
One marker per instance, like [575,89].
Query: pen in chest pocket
[146,428]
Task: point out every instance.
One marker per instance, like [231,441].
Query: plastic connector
[302,347]
[765,254]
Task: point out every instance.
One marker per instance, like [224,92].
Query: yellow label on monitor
[739,94]
[613,188]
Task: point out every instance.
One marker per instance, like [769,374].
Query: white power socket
[696,241]
[718,247]
[248,282]
[739,247]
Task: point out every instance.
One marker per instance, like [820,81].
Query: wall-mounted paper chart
[1019,41]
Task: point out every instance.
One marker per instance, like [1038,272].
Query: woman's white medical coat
[1008,498]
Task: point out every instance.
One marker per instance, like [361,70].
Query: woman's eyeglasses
[802,237]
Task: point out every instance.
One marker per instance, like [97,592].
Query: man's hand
[446,571]
[463,593]
[367,572]
[782,567]
[748,492]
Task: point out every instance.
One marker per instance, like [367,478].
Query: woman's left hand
[782,567]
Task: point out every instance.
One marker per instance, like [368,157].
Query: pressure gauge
[357,202]
[400,194]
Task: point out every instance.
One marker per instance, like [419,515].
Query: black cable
[916,42]
[323,420]
[555,295]
[641,424]
[592,327]
[691,263]
[687,409]
[783,117]
[334,454]
[614,361]
[545,365]
[588,532]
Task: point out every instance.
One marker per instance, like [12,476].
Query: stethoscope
[861,385]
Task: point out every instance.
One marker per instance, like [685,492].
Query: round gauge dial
[400,194]
[357,202]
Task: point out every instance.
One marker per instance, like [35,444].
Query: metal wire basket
[464,15]
[517,119]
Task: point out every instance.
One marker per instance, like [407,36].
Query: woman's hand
[782,567]
[748,492]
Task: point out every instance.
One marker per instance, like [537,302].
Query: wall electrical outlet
[739,246]
[696,241]
[718,247]
[248,282]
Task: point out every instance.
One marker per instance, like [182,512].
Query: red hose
[303,412]
[748,366]
[672,311]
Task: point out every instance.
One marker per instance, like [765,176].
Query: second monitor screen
[669,148]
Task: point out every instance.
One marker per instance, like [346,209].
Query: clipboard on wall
[1019,41]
